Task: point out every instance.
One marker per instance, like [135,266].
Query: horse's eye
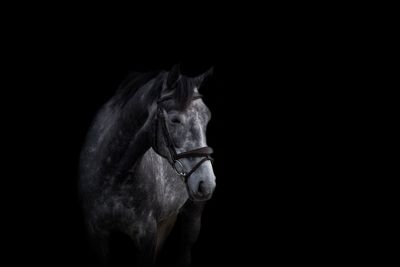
[175,120]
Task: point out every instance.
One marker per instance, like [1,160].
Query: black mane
[132,83]
[182,90]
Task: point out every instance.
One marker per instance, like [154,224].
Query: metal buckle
[178,167]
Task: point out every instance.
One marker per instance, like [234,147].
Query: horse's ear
[203,77]
[173,75]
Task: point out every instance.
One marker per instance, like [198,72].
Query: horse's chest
[171,197]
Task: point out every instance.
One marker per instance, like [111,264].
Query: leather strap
[199,152]
[169,97]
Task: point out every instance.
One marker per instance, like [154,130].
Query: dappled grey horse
[145,164]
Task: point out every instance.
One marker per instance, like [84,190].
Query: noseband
[174,160]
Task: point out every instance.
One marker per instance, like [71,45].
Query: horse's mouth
[199,197]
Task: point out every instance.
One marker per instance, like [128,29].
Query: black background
[279,97]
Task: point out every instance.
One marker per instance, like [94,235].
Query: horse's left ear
[198,81]
[173,75]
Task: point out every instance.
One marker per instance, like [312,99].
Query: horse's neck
[155,167]
[136,148]
[140,107]
[115,143]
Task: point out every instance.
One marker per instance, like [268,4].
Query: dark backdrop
[277,101]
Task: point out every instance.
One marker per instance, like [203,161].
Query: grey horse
[145,164]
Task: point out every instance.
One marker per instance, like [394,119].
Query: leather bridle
[174,159]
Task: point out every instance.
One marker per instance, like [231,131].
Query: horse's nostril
[202,189]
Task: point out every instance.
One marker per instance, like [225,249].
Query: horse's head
[180,133]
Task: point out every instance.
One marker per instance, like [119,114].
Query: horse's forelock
[183,93]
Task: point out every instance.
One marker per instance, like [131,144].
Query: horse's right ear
[203,77]
[173,75]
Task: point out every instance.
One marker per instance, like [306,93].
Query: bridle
[174,159]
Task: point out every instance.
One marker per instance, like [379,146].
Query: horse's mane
[132,83]
[182,93]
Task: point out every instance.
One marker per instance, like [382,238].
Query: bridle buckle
[178,167]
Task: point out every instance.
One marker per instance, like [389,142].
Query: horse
[145,165]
